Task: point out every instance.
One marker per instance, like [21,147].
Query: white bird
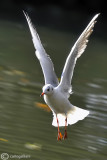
[56,93]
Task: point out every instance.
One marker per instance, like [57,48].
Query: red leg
[65,134]
[60,136]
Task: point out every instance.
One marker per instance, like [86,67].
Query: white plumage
[56,94]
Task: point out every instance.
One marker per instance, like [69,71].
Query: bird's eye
[48,89]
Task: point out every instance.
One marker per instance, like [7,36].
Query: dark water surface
[26,129]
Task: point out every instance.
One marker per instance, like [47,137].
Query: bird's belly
[56,105]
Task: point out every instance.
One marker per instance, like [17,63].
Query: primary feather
[76,51]
[45,61]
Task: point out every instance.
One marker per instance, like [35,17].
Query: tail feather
[73,116]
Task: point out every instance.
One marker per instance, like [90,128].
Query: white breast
[57,102]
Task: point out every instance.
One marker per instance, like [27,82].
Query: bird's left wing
[76,51]
[45,61]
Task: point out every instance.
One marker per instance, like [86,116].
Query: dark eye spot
[48,89]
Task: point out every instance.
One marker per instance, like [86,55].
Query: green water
[26,129]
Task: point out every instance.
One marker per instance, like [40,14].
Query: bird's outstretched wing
[45,61]
[76,51]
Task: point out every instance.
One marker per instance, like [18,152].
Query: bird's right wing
[45,61]
[76,52]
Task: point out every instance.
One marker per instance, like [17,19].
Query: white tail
[73,116]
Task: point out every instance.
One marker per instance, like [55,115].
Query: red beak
[42,94]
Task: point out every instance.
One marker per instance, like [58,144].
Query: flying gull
[56,94]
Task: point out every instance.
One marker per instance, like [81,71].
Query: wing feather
[76,51]
[45,61]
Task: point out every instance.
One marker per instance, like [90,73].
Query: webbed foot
[60,136]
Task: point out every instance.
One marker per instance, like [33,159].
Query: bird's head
[47,89]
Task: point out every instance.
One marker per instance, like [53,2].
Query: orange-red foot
[60,136]
[65,134]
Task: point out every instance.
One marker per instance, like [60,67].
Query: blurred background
[57,14]
[25,121]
